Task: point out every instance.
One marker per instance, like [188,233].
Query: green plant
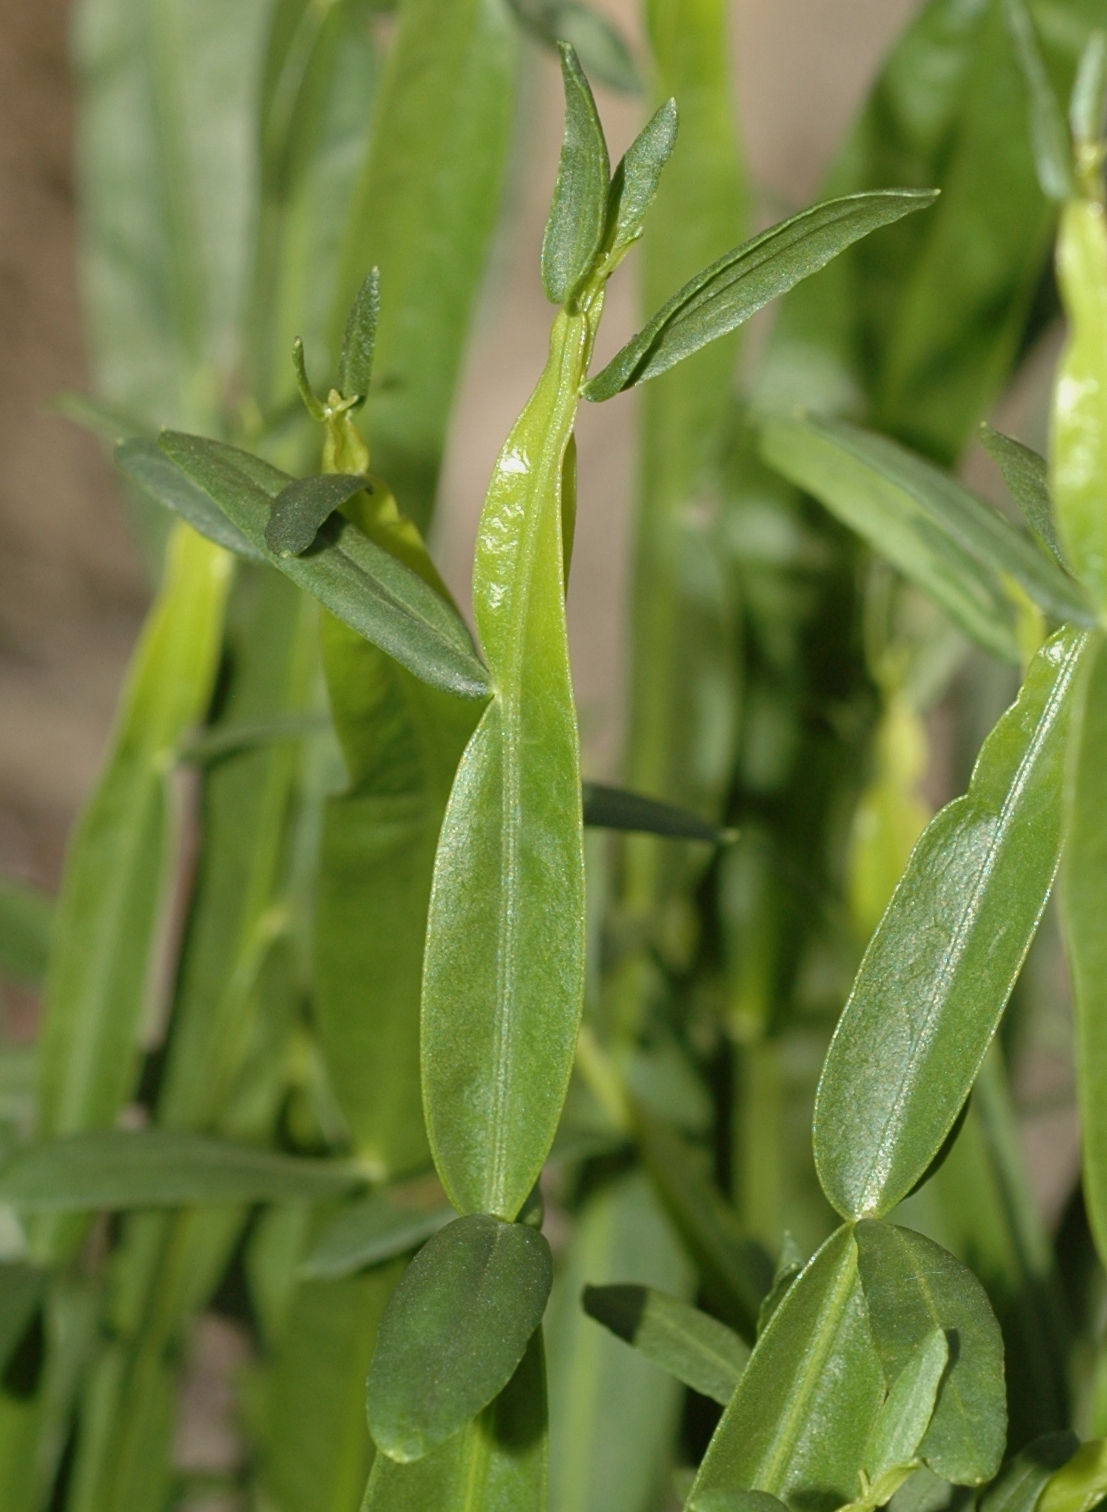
[402,983]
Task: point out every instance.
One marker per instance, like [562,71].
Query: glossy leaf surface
[503,979]
[26,929]
[1078,458]
[912,1287]
[688,1343]
[496,1463]
[455,1331]
[805,1406]
[1027,477]
[1021,1483]
[303,505]
[378,1228]
[107,1168]
[579,208]
[358,581]
[726,294]
[1084,898]
[941,965]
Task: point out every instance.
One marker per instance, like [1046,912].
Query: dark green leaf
[359,582]
[355,368]
[497,1462]
[142,460]
[805,1406]
[788,1267]
[941,965]
[578,212]
[726,294]
[1021,1482]
[1048,135]
[913,1286]
[22,1291]
[1027,477]
[455,1331]
[302,506]
[689,1344]
[736,1272]
[903,505]
[1084,896]
[598,44]
[379,1227]
[26,926]
[636,179]
[110,1168]
[614,808]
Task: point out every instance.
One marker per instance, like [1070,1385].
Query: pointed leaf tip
[578,212]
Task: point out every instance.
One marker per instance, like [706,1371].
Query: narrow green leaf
[1083,898]
[503,979]
[1027,477]
[423,211]
[358,581]
[600,46]
[1078,460]
[801,1417]
[164,482]
[233,739]
[912,1287]
[578,212]
[1048,134]
[379,1227]
[735,1271]
[355,367]
[1081,1482]
[908,1408]
[726,294]
[455,1331]
[925,522]
[614,808]
[26,928]
[496,1463]
[939,969]
[302,506]
[688,1343]
[110,1168]
[1089,93]
[1022,1481]
[636,179]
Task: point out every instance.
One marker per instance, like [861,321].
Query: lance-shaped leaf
[112,1168]
[26,927]
[379,1227]
[302,506]
[361,583]
[1048,134]
[1022,1481]
[1078,460]
[635,181]
[578,212]
[614,808]
[161,479]
[691,1345]
[1080,1484]
[355,367]
[503,976]
[924,521]
[908,1408]
[805,1406]
[939,969]
[726,294]
[455,1331]
[1027,477]
[497,1462]
[1084,901]
[912,1287]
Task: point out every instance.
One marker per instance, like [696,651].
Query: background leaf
[26,929]
[940,967]
[378,1228]
[689,1344]
[1020,1485]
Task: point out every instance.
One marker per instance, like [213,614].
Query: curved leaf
[1027,477]
[691,1345]
[163,481]
[726,294]
[578,212]
[1020,1485]
[301,507]
[1081,1482]
[912,1287]
[939,969]
[379,1227]
[455,1330]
